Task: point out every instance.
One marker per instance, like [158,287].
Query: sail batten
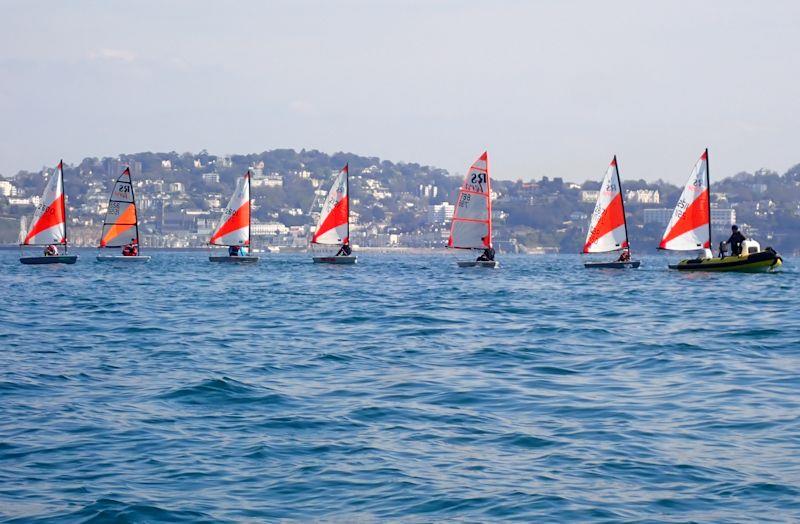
[471,226]
[121,223]
[48,225]
[608,230]
[333,227]
[233,228]
[690,226]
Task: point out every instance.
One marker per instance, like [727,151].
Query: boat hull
[632,264]
[491,264]
[234,260]
[59,259]
[761,262]
[336,260]
[123,258]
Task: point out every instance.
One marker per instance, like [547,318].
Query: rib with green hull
[759,262]
[689,229]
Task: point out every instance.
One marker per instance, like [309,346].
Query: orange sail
[121,223]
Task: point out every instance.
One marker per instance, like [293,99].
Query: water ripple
[401,389]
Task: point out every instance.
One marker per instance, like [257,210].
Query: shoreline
[286,250]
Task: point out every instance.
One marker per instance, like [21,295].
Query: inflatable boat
[752,260]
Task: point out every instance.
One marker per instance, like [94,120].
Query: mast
[489,197]
[135,213]
[63,203]
[249,217]
[347,188]
[708,184]
[622,203]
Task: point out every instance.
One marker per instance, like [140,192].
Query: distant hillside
[181,194]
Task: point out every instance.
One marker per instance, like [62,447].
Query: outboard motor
[723,248]
[775,254]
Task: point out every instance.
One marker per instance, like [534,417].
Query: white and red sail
[48,225]
[121,223]
[689,227]
[334,220]
[234,226]
[607,228]
[472,218]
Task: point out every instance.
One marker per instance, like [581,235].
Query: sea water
[401,388]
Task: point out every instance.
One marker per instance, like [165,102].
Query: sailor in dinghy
[333,227]
[48,227]
[121,220]
[471,227]
[487,255]
[233,230]
[690,230]
[608,228]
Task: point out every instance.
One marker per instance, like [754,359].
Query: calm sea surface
[399,389]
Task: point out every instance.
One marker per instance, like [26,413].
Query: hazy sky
[549,88]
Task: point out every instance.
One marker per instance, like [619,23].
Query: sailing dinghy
[333,227]
[608,227]
[690,230]
[121,222]
[471,227]
[233,230]
[48,227]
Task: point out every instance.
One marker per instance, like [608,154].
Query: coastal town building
[589,196]
[211,178]
[268,228]
[25,201]
[428,191]
[643,196]
[721,218]
[7,189]
[440,213]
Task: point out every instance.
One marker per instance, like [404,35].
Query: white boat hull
[491,264]
[233,260]
[123,258]
[336,260]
